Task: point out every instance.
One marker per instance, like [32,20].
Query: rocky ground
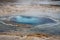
[18,9]
[8,36]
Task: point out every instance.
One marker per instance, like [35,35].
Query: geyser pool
[32,20]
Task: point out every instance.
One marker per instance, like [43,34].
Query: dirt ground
[7,37]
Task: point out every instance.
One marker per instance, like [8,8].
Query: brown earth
[28,37]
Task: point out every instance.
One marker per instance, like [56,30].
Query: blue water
[32,20]
[47,25]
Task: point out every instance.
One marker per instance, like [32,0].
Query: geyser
[31,20]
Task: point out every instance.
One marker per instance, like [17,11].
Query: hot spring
[32,20]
